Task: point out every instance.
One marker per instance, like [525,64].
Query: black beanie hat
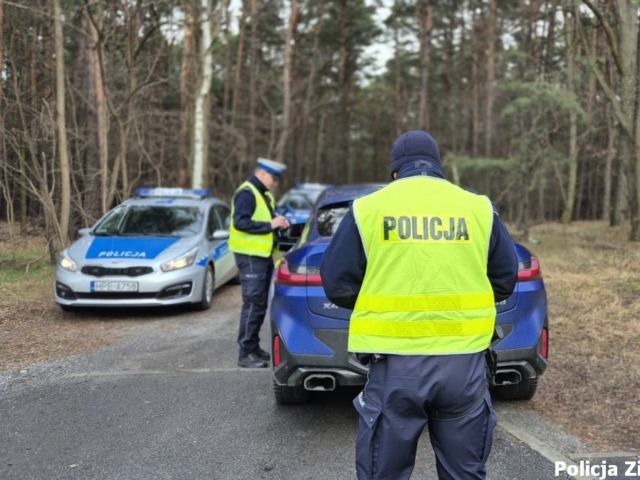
[412,146]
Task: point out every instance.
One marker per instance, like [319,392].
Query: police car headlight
[67,263]
[180,262]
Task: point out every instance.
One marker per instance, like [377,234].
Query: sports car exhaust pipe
[507,377]
[320,383]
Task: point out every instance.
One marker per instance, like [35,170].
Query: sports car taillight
[276,350]
[544,350]
[528,271]
[299,275]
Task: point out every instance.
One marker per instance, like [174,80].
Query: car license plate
[114,286]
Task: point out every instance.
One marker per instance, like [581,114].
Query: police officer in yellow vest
[422,263]
[252,240]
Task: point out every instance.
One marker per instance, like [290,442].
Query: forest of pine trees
[533,102]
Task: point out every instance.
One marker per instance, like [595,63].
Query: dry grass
[593,284]
[32,327]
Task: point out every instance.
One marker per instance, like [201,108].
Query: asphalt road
[171,404]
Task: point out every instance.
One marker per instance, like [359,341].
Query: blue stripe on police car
[128,248]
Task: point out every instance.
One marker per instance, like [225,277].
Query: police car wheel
[525,390]
[286,395]
[208,285]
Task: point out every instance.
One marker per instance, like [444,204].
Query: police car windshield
[296,201]
[313,193]
[151,220]
[328,219]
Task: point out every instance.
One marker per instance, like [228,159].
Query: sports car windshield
[329,219]
[151,220]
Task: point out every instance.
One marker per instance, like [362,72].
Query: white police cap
[271,166]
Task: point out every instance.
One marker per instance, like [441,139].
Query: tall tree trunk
[63,152]
[308,120]
[237,82]
[491,75]
[227,62]
[187,73]
[100,105]
[286,83]
[424,14]
[344,109]
[88,160]
[400,112]
[451,82]
[254,74]
[475,89]
[573,119]
[606,202]
[202,108]
[4,186]
[620,191]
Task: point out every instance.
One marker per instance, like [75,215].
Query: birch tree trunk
[201,111]
[65,199]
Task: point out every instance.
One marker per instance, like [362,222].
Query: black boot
[251,361]
[262,355]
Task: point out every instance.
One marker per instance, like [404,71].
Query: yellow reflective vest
[425,290]
[260,244]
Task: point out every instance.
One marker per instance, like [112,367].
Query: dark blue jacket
[344,263]
[244,205]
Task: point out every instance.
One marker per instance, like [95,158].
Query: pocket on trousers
[491,423]
[368,411]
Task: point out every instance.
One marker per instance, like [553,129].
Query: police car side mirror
[83,231]
[220,235]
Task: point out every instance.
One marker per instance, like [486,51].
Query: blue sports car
[309,333]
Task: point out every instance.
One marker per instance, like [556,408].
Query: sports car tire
[525,390]
[208,286]
[290,395]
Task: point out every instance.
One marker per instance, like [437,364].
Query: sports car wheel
[208,285]
[290,395]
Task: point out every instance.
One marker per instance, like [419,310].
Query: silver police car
[165,246]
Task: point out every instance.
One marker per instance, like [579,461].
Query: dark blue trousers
[403,394]
[255,276]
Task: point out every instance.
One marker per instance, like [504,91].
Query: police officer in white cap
[253,239]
